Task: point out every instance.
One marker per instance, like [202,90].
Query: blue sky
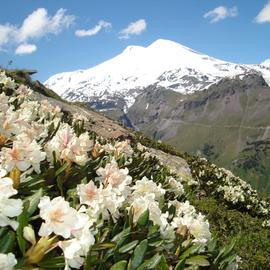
[64,35]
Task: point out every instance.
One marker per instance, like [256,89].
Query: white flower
[7,261]
[24,154]
[10,123]
[119,148]
[146,186]
[67,146]
[176,186]
[200,229]
[72,253]
[141,147]
[110,202]
[47,110]
[4,102]
[115,177]
[79,117]
[77,248]
[22,92]
[180,221]
[104,202]
[59,217]
[87,193]
[232,194]
[123,147]
[140,204]
[7,81]
[196,224]
[184,208]
[9,208]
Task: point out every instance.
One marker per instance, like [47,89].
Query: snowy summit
[164,63]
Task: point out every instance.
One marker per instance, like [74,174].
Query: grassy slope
[224,119]
[253,241]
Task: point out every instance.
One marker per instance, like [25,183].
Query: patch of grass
[253,241]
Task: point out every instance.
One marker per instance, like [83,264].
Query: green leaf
[138,254]
[62,168]
[225,251]
[23,221]
[128,246]
[229,248]
[212,245]
[228,261]
[144,218]
[60,185]
[3,231]
[7,242]
[191,250]
[34,201]
[121,235]
[52,263]
[180,265]
[151,263]
[102,246]
[156,243]
[163,264]
[90,260]
[119,265]
[199,260]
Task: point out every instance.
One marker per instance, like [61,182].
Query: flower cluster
[68,147]
[187,219]
[9,208]
[233,190]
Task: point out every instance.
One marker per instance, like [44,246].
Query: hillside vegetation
[74,198]
[228,124]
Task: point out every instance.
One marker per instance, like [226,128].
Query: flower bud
[29,234]
[3,140]
[15,175]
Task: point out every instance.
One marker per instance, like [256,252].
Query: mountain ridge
[165,63]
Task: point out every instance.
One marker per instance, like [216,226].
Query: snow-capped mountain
[164,63]
[266,63]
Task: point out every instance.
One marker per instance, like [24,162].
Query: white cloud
[93,31]
[26,48]
[264,14]
[5,33]
[36,25]
[221,13]
[134,28]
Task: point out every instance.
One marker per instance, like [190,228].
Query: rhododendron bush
[71,200]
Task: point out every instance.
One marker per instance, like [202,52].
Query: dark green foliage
[252,240]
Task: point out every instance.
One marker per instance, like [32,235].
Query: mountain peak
[164,63]
[133,48]
[169,44]
[266,63]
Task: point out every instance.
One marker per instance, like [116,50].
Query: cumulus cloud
[26,48]
[264,14]
[36,25]
[134,28]
[94,30]
[221,13]
[6,32]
